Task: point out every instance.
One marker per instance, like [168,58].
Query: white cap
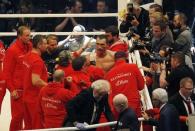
[79,28]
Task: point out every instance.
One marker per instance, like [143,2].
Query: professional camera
[130,15]
[136,45]
[156,58]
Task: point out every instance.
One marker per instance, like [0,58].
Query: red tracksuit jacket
[52,101]
[33,64]
[68,70]
[81,80]
[95,73]
[13,66]
[119,46]
[2,80]
[126,79]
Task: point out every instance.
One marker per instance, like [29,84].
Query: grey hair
[161,95]
[100,85]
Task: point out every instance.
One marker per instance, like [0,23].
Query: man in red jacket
[52,99]
[13,72]
[126,79]
[115,44]
[35,77]
[80,76]
[2,80]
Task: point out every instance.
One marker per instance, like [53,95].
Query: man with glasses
[183,100]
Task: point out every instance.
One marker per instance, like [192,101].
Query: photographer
[136,18]
[160,36]
[179,71]
[154,71]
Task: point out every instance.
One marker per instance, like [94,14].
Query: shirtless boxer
[102,57]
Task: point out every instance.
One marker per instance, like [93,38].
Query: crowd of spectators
[82,80]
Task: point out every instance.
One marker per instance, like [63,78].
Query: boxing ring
[5,116]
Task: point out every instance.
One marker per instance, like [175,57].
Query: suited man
[169,117]
[88,105]
[127,117]
[183,100]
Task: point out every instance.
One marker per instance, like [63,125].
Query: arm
[162,78]
[163,82]
[37,70]
[66,94]
[37,81]
[107,111]
[140,79]
[9,64]
[76,104]
[74,23]
[124,27]
[61,25]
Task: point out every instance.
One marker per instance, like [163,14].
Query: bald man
[52,99]
[127,117]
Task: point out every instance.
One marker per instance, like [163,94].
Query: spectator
[26,7]
[100,23]
[182,34]
[126,79]
[183,100]
[127,117]
[169,117]
[193,42]
[14,74]
[88,105]
[35,77]
[183,37]
[52,99]
[69,22]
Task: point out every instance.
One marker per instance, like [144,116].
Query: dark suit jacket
[177,101]
[169,119]
[127,120]
[81,108]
